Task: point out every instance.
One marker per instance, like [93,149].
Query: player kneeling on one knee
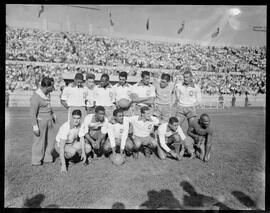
[201,133]
[171,133]
[143,126]
[67,140]
[115,134]
[94,130]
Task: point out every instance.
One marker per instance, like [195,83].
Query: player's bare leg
[136,148]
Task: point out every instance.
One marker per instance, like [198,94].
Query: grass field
[235,171]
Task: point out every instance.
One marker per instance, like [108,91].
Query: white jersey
[67,133]
[116,131]
[104,96]
[122,91]
[89,97]
[74,96]
[144,91]
[188,95]
[164,131]
[90,123]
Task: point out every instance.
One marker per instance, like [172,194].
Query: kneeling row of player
[131,134]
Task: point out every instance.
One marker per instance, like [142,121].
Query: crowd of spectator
[27,77]
[35,45]
[62,51]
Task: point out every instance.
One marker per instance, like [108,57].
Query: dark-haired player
[94,130]
[201,134]
[143,126]
[73,96]
[104,96]
[164,97]
[188,97]
[115,134]
[123,90]
[172,134]
[67,139]
[143,93]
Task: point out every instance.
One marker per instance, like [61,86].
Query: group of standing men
[105,118]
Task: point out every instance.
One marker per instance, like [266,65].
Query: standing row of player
[135,118]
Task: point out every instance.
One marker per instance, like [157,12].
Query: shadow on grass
[244,199]
[118,205]
[162,199]
[36,201]
[194,199]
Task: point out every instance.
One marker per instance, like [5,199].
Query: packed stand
[87,49]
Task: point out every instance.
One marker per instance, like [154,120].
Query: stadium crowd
[32,45]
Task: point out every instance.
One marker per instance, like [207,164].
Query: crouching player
[94,130]
[115,134]
[143,126]
[172,134]
[67,140]
[201,133]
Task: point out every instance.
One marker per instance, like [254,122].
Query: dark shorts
[94,134]
[188,112]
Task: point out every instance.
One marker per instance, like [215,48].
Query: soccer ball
[123,103]
[118,159]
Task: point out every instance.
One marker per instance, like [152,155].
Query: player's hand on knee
[63,169]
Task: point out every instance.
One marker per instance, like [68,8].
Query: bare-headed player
[172,134]
[200,133]
[67,139]
[115,134]
[94,130]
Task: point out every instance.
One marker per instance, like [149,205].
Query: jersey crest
[148,92]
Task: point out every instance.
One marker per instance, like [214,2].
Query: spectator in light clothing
[73,96]
[42,119]
[188,97]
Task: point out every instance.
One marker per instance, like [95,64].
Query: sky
[201,21]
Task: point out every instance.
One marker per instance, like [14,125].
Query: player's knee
[154,143]
[95,146]
[107,147]
[129,146]
[87,148]
[137,143]
[70,152]
[177,137]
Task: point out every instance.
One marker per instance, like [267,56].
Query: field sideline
[236,171]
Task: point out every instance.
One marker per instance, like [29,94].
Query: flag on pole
[181,28]
[147,24]
[111,22]
[215,34]
[41,10]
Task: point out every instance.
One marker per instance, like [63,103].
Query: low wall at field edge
[22,99]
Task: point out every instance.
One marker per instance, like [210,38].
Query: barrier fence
[22,99]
